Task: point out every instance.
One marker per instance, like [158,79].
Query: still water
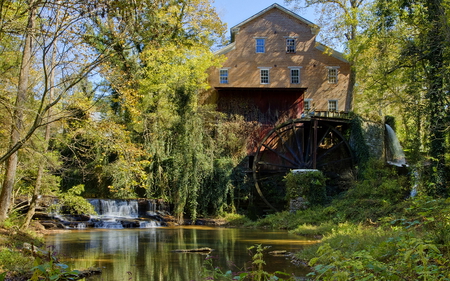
[148,254]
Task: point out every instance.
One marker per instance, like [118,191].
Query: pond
[148,254]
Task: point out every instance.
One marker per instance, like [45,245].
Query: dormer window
[290,45]
[260,45]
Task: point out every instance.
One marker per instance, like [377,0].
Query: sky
[233,12]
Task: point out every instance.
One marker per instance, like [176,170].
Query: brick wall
[243,62]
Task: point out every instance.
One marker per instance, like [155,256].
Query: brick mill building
[278,76]
[274,62]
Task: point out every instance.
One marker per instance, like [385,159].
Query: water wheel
[299,144]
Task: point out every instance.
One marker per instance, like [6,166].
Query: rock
[197,250]
[298,204]
[279,253]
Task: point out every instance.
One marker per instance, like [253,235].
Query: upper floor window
[223,76]
[332,74]
[290,45]
[295,74]
[307,104]
[260,45]
[264,75]
[332,105]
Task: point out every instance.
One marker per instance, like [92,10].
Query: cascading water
[394,153]
[118,214]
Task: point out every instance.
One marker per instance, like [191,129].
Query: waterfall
[394,153]
[118,214]
[110,208]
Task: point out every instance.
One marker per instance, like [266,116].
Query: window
[332,74]
[295,74]
[260,45]
[332,105]
[264,76]
[307,104]
[290,45]
[223,76]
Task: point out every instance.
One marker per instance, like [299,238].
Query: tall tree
[341,22]
[74,61]
[17,117]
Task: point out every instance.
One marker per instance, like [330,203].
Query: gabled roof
[327,50]
[314,27]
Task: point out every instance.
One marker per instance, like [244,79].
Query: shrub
[309,185]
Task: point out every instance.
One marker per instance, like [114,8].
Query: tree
[72,63]
[407,57]
[342,21]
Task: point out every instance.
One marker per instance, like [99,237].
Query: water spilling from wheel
[394,152]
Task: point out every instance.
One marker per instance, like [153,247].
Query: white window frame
[292,77]
[290,45]
[332,74]
[336,104]
[262,75]
[223,79]
[260,48]
[307,105]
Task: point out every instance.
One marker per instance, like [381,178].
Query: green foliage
[14,262]
[257,272]
[314,230]
[234,219]
[52,270]
[73,203]
[358,143]
[309,185]
[380,182]
[287,220]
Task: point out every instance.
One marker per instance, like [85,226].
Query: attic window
[290,45]
[332,74]
[260,45]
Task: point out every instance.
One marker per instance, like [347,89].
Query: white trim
[337,105]
[261,69]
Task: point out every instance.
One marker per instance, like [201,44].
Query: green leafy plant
[73,202]
[257,272]
[310,185]
[52,270]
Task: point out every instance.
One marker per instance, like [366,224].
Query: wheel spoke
[328,151]
[297,142]
[323,137]
[287,146]
[280,154]
[276,165]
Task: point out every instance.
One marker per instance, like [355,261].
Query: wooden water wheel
[299,144]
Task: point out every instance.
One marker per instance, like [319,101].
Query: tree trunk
[17,122]
[42,164]
[436,95]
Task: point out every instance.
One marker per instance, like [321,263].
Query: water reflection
[147,254]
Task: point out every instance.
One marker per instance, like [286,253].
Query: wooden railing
[328,114]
